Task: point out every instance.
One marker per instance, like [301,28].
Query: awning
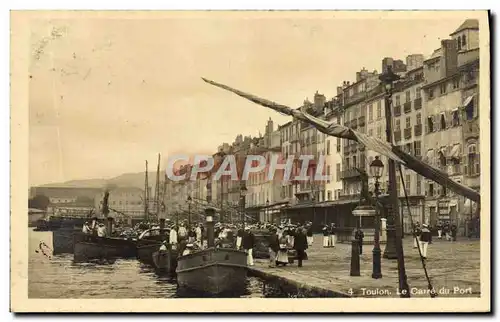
[455,152]
[468,100]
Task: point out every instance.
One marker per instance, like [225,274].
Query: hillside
[123,180]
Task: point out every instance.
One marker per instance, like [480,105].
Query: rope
[429,285]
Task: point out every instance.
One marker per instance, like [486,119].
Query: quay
[453,268]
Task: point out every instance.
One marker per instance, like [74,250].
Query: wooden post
[355,266]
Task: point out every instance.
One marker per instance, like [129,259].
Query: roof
[467,24]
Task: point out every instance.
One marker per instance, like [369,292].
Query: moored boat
[165,261]
[63,239]
[213,271]
[93,247]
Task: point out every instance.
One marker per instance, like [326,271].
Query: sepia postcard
[250,161]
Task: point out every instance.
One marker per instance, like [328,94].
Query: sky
[107,94]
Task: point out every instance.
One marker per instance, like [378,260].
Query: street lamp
[394,246]
[376,170]
[267,209]
[243,191]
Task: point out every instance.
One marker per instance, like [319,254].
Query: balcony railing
[397,136]
[349,173]
[407,133]
[407,107]
[418,129]
[417,103]
[397,110]
[361,120]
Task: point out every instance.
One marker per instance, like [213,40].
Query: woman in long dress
[282,258]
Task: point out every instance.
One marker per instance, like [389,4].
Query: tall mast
[146,193]
[157,188]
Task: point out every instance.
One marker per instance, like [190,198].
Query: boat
[213,271]
[165,262]
[63,239]
[148,242]
[94,247]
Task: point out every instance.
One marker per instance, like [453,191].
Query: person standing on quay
[274,247]
[248,242]
[425,237]
[326,235]
[332,237]
[416,234]
[439,227]
[453,232]
[310,237]
[300,244]
[239,236]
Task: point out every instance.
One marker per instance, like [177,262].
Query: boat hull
[101,247]
[165,262]
[213,271]
[145,252]
[63,240]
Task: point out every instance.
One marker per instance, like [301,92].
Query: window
[354,162]
[397,100]
[442,88]
[417,147]
[398,125]
[442,159]
[379,132]
[431,189]
[408,122]
[459,43]
[419,118]
[464,43]
[430,124]
[417,92]
[469,110]
[408,184]
[327,147]
[328,174]
[370,112]
[329,194]
[456,83]
[338,144]
[379,109]
[456,119]
[347,163]
[473,161]
[443,190]
[370,132]
[431,93]
[419,185]
[443,122]
[407,96]
[408,148]
[338,172]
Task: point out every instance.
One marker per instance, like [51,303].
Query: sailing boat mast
[157,188]
[146,193]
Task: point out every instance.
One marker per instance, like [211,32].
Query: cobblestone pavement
[452,266]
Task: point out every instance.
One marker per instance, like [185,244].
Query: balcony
[407,107]
[397,136]
[397,110]
[417,103]
[418,129]
[470,129]
[349,173]
[407,133]
[354,123]
[361,120]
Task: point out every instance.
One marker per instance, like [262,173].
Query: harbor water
[59,278]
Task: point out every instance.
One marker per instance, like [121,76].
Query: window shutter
[426,125]
[464,162]
[449,119]
[435,124]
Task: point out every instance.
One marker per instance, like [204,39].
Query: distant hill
[123,180]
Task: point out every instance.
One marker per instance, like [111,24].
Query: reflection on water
[59,277]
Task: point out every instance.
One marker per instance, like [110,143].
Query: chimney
[449,57]
[339,90]
[387,61]
[358,76]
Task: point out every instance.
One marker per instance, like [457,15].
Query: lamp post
[189,201]
[267,210]
[394,246]
[243,191]
[376,169]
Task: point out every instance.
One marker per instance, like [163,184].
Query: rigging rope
[429,285]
